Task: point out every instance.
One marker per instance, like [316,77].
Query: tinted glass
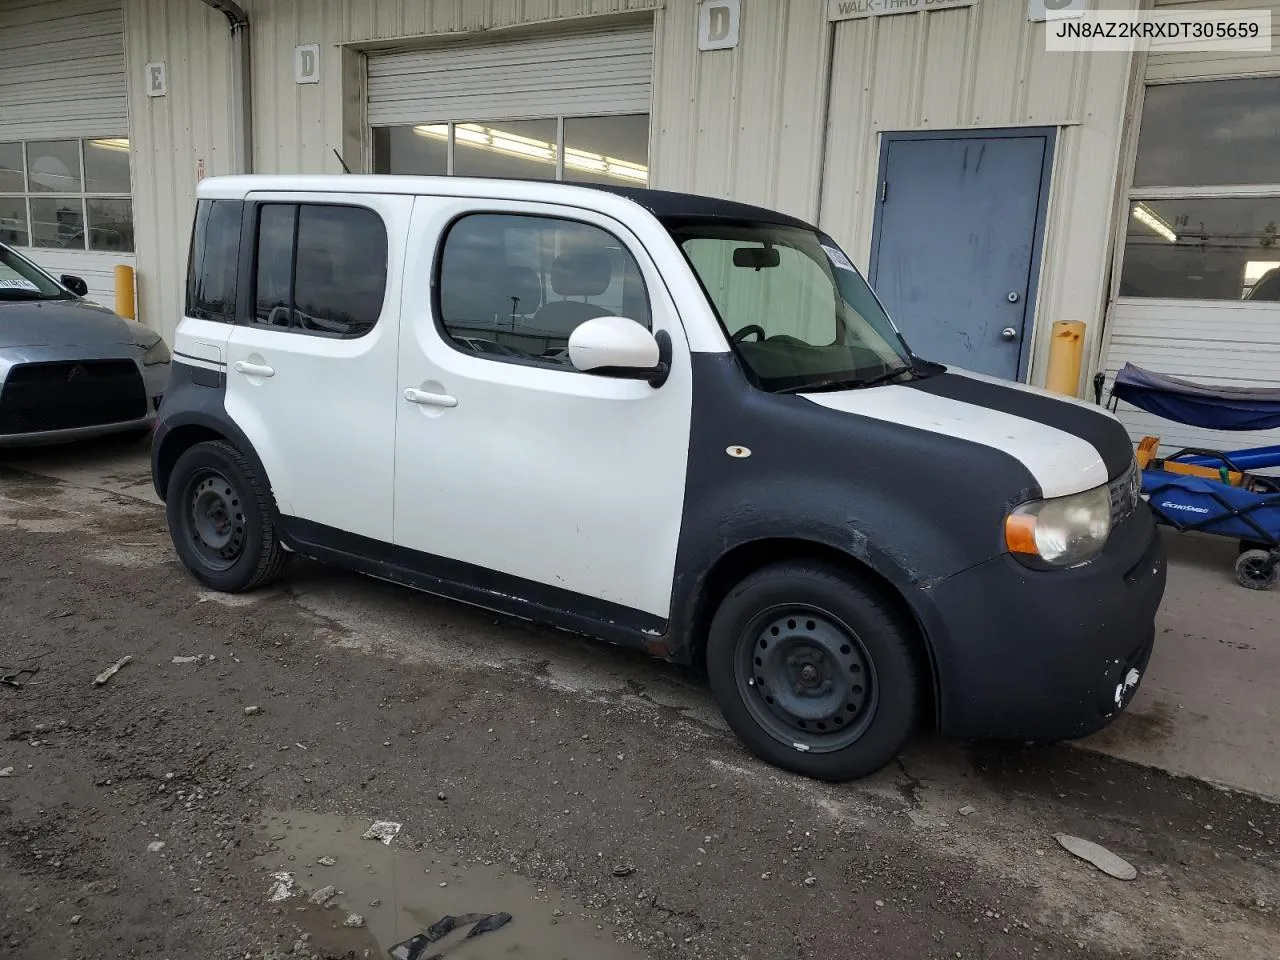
[341,273]
[106,165]
[1210,249]
[271,299]
[57,222]
[516,287]
[53,166]
[110,224]
[421,150]
[12,179]
[607,150]
[1212,132]
[798,312]
[214,261]
[505,148]
[13,221]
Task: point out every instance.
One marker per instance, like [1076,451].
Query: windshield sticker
[18,283]
[839,259]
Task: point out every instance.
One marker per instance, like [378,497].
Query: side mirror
[75,285]
[620,347]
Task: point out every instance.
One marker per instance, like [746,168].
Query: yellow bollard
[124,291]
[1066,351]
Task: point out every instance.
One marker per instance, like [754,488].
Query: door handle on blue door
[414,395]
[1008,333]
[254,369]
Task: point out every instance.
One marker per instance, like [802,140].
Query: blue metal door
[957,244]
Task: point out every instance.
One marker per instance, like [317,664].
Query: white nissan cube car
[671,422]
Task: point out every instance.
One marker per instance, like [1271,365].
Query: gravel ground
[590,793]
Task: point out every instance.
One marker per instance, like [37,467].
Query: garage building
[986,186]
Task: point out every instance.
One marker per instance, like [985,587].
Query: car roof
[663,204]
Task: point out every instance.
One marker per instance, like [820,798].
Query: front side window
[1204,211]
[213,264]
[515,287]
[67,194]
[20,279]
[319,268]
[797,312]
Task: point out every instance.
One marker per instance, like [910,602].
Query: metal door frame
[1050,136]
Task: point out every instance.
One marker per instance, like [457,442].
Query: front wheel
[813,671]
[221,519]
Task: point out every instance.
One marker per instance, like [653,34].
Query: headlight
[1061,532]
[156,353]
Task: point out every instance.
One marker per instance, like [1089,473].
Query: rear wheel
[814,671]
[221,519]
[1257,569]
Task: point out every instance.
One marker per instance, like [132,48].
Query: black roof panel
[665,204]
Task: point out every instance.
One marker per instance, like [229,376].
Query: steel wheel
[805,676]
[215,520]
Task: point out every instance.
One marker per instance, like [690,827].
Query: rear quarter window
[212,265]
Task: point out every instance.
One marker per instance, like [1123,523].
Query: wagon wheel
[1258,569]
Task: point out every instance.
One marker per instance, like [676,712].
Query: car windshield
[20,279]
[798,313]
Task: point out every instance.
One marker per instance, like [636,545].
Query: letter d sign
[718,23]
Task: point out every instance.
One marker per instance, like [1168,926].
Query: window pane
[506,148]
[607,150]
[13,221]
[106,165]
[517,287]
[11,177]
[57,222]
[53,166]
[1219,249]
[110,225]
[341,271]
[215,254]
[275,264]
[1212,132]
[422,150]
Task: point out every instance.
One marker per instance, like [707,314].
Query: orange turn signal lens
[1020,534]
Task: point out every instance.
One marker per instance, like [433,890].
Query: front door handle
[254,369]
[414,395]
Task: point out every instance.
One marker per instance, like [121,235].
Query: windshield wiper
[848,383]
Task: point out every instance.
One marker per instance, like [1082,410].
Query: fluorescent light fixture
[112,143]
[512,144]
[1146,216]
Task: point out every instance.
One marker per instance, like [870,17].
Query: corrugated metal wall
[984,66]
[170,135]
[1213,341]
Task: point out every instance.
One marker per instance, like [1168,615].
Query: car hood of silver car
[65,323]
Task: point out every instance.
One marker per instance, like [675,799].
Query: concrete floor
[1208,707]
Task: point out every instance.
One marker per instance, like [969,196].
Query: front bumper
[1054,655]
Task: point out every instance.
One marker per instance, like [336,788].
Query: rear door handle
[414,395]
[254,369]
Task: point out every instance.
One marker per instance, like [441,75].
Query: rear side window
[214,260]
[319,268]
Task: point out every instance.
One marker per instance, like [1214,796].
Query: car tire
[222,519]
[814,671]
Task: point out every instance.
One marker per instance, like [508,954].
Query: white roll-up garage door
[62,69]
[586,72]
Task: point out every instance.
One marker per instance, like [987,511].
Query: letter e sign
[306,63]
[718,23]
[157,82]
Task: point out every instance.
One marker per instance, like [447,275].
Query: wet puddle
[374,897]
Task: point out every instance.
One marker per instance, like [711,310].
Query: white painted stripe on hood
[1060,462]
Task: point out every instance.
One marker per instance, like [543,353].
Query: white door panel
[562,478]
[320,410]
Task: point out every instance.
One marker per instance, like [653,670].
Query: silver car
[71,369]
